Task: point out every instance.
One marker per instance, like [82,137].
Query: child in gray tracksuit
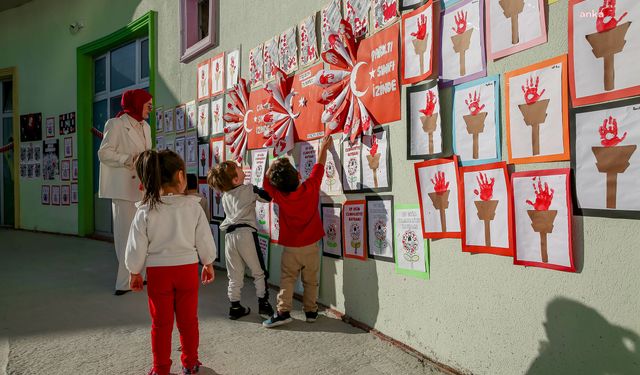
[241,239]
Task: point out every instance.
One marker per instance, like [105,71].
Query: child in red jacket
[300,231]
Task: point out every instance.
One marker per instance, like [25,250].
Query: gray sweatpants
[240,251]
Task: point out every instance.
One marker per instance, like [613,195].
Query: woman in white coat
[125,137]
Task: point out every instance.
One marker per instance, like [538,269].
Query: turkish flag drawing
[308,124]
[256,130]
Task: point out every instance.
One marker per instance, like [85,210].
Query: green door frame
[143,26]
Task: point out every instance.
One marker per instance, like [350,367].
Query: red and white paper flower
[235,117]
[280,117]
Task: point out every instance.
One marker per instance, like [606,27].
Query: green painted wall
[477,313]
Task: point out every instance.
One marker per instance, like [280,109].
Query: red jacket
[300,223]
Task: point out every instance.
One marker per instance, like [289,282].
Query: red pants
[173,289]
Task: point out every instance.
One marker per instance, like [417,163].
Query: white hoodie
[174,233]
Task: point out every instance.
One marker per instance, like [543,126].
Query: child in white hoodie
[169,233]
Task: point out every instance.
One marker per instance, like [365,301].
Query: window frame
[189,25]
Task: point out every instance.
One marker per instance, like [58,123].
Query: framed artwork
[217,74]
[356,12]
[376,161]
[603,42]
[31,127]
[159,119]
[275,223]
[181,123]
[271,54]
[263,216]
[476,121]
[383,13]
[159,143]
[205,191]
[486,210]
[439,197]
[265,248]
[332,224]
[258,166]
[232,70]
[537,112]
[514,25]
[462,50]
[203,120]
[203,159]
[605,159]
[168,120]
[65,170]
[218,153]
[307,157]
[411,248]
[67,123]
[204,80]
[308,41]
[417,44]
[354,222]
[332,179]
[191,151]
[45,195]
[288,50]
[380,227]
[351,166]
[65,195]
[330,18]
[411,4]
[169,145]
[217,211]
[215,231]
[74,169]
[74,193]
[217,113]
[50,159]
[68,147]
[256,65]
[424,133]
[55,195]
[50,125]
[542,210]
[179,144]
[192,115]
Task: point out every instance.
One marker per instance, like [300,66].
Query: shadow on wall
[581,341]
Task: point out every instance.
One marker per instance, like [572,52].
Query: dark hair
[192,181]
[283,175]
[221,176]
[155,170]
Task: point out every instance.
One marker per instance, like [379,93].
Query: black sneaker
[311,316]
[277,319]
[264,308]
[237,311]
[192,370]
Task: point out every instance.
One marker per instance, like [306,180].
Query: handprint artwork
[462,39]
[462,49]
[486,206]
[420,40]
[429,119]
[534,110]
[475,120]
[440,197]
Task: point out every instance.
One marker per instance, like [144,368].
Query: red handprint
[544,196]
[609,134]
[389,10]
[374,146]
[607,16]
[474,103]
[422,28]
[430,105]
[461,22]
[486,186]
[326,79]
[530,90]
[440,185]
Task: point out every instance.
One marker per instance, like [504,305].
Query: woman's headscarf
[133,103]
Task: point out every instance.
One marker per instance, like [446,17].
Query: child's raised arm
[261,194]
[326,143]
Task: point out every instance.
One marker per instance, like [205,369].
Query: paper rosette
[235,117]
[280,117]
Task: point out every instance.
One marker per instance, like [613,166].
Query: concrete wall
[477,313]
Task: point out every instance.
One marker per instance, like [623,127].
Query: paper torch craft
[429,119]
[534,110]
[486,205]
[235,117]
[462,39]
[475,119]
[541,216]
[440,197]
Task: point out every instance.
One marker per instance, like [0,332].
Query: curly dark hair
[283,176]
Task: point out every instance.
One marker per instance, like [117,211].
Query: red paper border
[429,163]
[548,172]
[419,78]
[487,249]
[365,248]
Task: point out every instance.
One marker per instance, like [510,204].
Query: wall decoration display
[351,166]
[410,4]
[191,151]
[542,210]
[256,129]
[332,179]
[275,223]
[192,115]
[308,41]
[67,123]
[271,55]
[356,12]
[380,227]
[288,50]
[247,174]
[68,147]
[217,113]
[203,159]
[74,193]
[424,133]
[462,50]
[217,211]
[603,42]
[180,122]
[180,147]
[476,121]
[159,143]
[50,159]
[605,159]
[217,75]
[169,145]
[411,248]
[159,119]
[256,65]
[486,209]
[169,120]
[236,126]
[31,160]
[265,248]
[203,119]
[232,69]
[417,44]
[204,80]
[438,195]
[215,231]
[65,195]
[537,112]
[50,127]
[332,224]
[514,25]
[74,169]
[258,166]
[330,18]
[305,96]
[204,190]
[354,223]
[218,153]
[376,161]
[307,157]
[263,216]
[55,195]
[45,195]
[383,13]
[31,127]
[65,170]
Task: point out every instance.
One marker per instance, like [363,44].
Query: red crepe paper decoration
[235,117]
[280,116]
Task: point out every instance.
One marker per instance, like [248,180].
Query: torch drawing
[511,10]
[420,40]
[373,160]
[429,120]
[462,39]
[486,206]
[475,119]
[440,197]
[541,216]
[534,110]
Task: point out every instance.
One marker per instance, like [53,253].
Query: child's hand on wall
[327,142]
[208,274]
[135,282]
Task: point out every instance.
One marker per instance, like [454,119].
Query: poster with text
[411,248]
[217,113]
[424,133]
[256,65]
[203,119]
[308,41]
[376,161]
[232,70]
[330,18]
[217,74]
[514,25]
[332,224]
[417,44]
[204,81]
[354,229]
[288,46]
[351,166]
[307,157]
[380,227]
[383,13]
[265,248]
[275,223]
[263,215]
[258,166]
[332,179]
